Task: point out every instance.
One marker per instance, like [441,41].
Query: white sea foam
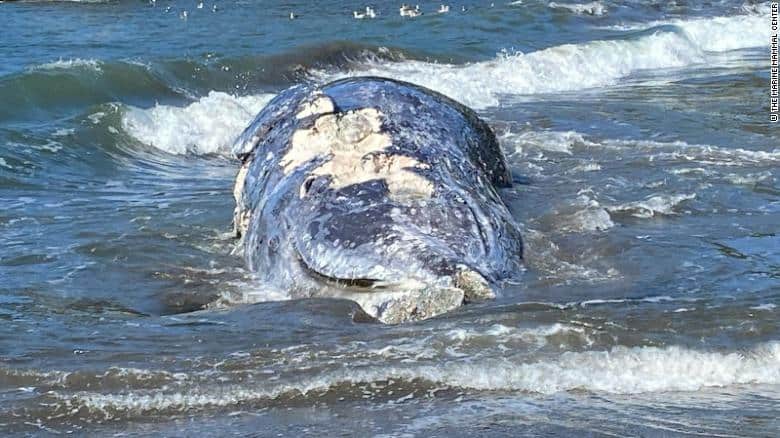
[718,34]
[462,341]
[590,219]
[572,67]
[766,306]
[704,154]
[568,141]
[592,8]
[621,370]
[583,214]
[63,132]
[586,167]
[61,64]
[248,292]
[652,206]
[204,127]
[652,299]
[546,258]
[732,32]
[561,68]
[499,333]
[552,141]
[748,179]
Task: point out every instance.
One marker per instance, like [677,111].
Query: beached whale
[378,191]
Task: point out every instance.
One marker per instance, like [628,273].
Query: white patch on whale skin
[402,183]
[354,141]
[319,105]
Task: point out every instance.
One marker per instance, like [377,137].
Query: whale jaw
[398,306]
[394,302]
[403,306]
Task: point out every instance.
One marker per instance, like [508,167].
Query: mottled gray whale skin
[377,191]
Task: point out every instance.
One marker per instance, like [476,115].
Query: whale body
[377,191]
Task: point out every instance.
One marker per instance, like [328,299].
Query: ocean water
[649,198]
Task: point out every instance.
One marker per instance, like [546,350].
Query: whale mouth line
[356,283]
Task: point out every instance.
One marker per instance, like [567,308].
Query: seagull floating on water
[183,15]
[200,5]
[214,8]
[443,9]
[370,13]
[293,16]
[407,11]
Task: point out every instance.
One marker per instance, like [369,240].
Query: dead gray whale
[377,191]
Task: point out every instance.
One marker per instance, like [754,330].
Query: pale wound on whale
[354,141]
[474,286]
[397,171]
[320,105]
[409,305]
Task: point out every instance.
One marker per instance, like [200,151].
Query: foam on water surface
[620,370]
[72,63]
[566,142]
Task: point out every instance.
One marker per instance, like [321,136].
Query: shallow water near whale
[647,189]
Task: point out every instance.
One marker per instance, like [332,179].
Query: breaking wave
[621,370]
[573,67]
[207,126]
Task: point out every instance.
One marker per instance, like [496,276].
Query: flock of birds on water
[405,11]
